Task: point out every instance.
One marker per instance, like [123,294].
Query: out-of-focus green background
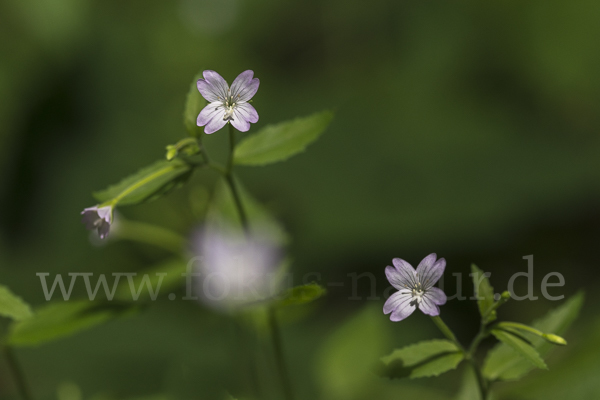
[468,129]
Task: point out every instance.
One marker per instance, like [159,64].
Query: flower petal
[402,276]
[429,307]
[103,229]
[90,216]
[430,271]
[394,300]
[207,90]
[243,114]
[209,112]
[436,295]
[248,111]
[105,213]
[244,87]
[403,309]
[213,87]
[216,123]
[240,123]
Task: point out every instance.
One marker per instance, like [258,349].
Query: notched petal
[436,295]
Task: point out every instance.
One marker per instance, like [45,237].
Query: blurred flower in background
[234,269]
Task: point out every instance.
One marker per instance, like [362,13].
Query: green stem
[231,180]
[447,332]
[481,381]
[150,234]
[482,334]
[17,373]
[231,149]
[503,299]
[279,358]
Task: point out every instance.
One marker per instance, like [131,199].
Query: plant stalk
[17,373]
[231,180]
[279,357]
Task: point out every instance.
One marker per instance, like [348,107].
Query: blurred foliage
[467,129]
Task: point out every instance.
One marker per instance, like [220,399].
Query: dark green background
[468,129]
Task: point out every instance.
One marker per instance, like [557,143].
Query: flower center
[418,295]
[228,111]
[229,104]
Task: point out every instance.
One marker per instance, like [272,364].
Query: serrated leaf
[301,295]
[501,362]
[278,142]
[521,347]
[148,183]
[63,319]
[12,306]
[484,292]
[429,358]
[194,103]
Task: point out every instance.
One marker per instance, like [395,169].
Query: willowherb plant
[252,241]
[521,346]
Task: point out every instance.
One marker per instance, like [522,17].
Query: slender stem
[244,360]
[482,334]
[231,148]
[279,358]
[503,299]
[150,234]
[447,332]
[483,385]
[17,373]
[231,180]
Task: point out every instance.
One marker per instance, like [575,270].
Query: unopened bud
[555,339]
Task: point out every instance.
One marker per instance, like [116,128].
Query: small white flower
[415,288]
[227,104]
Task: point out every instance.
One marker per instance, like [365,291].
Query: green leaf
[279,142]
[148,183]
[469,387]
[301,294]
[515,332]
[58,320]
[194,103]
[523,348]
[484,293]
[12,306]
[501,362]
[429,358]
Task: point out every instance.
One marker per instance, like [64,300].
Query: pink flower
[227,104]
[415,288]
